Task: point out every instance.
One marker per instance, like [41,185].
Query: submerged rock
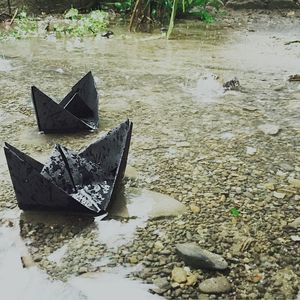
[215,285]
[269,128]
[197,257]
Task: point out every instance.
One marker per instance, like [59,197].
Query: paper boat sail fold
[84,182]
[77,111]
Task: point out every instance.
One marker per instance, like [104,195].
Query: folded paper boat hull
[77,111]
[34,191]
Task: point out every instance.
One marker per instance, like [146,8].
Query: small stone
[295,238]
[281,174]
[194,208]
[133,260]
[280,88]
[82,270]
[192,279]
[203,297]
[183,144]
[295,224]
[250,150]
[197,257]
[215,285]
[131,172]
[270,129]
[278,195]
[158,245]
[27,261]
[175,285]
[294,182]
[179,275]
[270,186]
[162,283]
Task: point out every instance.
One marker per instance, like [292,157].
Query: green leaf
[72,13]
[234,212]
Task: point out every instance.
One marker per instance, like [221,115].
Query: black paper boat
[83,182]
[77,111]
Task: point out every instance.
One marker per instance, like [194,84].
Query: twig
[133,14]
[292,42]
[13,18]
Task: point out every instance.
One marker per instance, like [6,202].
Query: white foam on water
[5,65]
[207,89]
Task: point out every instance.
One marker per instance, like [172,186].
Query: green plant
[167,11]
[81,25]
[234,212]
[124,6]
[23,26]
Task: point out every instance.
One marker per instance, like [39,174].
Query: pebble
[270,129]
[194,208]
[294,182]
[27,261]
[215,285]
[162,284]
[295,224]
[295,238]
[192,279]
[278,195]
[179,275]
[250,150]
[196,257]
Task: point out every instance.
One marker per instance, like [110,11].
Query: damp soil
[191,141]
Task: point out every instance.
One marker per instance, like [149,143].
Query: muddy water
[172,91]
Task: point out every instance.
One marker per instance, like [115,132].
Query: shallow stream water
[185,125]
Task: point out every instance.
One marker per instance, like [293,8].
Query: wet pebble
[215,285]
[270,129]
[179,275]
[196,257]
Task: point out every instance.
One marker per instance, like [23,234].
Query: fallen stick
[292,42]
[13,18]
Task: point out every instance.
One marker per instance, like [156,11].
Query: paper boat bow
[77,111]
[80,183]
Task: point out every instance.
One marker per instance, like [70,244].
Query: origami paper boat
[77,111]
[83,182]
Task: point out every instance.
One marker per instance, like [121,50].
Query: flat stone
[278,195]
[131,172]
[295,224]
[270,129]
[294,182]
[295,238]
[269,186]
[194,208]
[215,285]
[179,275]
[197,257]
[203,297]
[27,261]
[162,284]
[250,150]
[192,279]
